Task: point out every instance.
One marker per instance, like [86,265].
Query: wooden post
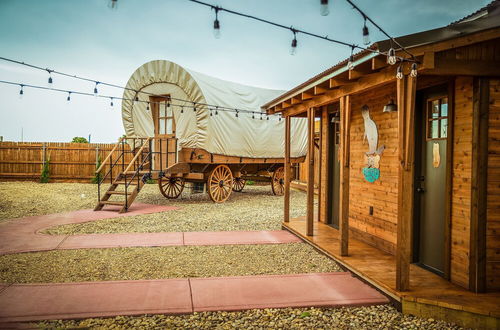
[345,127]
[320,146]
[310,174]
[44,155]
[287,170]
[324,167]
[479,185]
[406,90]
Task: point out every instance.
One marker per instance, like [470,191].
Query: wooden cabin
[409,193]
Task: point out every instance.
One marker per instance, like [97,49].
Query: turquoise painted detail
[371,174]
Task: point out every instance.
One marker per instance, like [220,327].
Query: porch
[430,295]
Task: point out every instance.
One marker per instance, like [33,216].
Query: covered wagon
[182,126]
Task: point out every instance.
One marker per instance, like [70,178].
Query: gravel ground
[374,317]
[162,262]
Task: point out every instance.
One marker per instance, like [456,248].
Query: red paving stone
[99,241]
[31,302]
[240,237]
[275,291]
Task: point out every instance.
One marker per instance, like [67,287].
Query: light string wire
[296,31]
[98,82]
[190,105]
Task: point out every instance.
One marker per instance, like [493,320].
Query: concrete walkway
[31,302]
[23,234]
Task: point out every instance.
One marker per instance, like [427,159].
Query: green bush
[97,176]
[45,176]
[151,181]
[79,139]
[250,183]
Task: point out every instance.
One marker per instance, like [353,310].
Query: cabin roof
[483,19]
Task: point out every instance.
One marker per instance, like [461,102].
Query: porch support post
[323,183]
[287,170]
[345,128]
[310,173]
[319,165]
[406,90]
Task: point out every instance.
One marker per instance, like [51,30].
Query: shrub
[250,183]
[45,176]
[79,139]
[97,176]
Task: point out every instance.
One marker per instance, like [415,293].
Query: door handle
[420,190]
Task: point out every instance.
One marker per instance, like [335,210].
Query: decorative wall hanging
[436,158]
[371,172]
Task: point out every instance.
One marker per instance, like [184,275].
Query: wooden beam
[455,67]
[428,60]
[306,96]
[319,90]
[479,182]
[379,62]
[310,176]
[320,147]
[336,82]
[324,165]
[296,100]
[345,127]
[287,171]
[406,93]
[365,83]
[286,104]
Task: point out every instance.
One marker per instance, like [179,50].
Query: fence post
[44,155]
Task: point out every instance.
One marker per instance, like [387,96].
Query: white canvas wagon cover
[223,134]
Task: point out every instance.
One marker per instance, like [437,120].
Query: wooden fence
[68,162]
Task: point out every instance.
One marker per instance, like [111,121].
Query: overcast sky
[84,37]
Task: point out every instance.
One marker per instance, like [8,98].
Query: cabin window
[166,125]
[437,118]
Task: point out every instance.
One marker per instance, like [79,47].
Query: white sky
[86,38]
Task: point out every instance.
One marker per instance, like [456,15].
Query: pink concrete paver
[275,291]
[30,302]
[240,237]
[97,241]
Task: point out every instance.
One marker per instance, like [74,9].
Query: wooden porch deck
[430,295]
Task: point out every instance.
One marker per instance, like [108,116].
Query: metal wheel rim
[220,184]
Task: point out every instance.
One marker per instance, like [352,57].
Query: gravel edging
[373,317]
[162,262]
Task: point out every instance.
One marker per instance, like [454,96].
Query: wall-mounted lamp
[336,118]
[391,106]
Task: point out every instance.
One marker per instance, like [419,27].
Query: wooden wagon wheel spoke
[278,181]
[238,184]
[220,183]
[171,187]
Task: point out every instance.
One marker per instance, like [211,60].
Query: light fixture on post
[216,24]
[390,107]
[366,34]
[293,49]
[323,8]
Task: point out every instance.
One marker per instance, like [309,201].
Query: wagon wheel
[220,183]
[278,181]
[171,187]
[238,184]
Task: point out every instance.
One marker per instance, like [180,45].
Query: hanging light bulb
[211,113]
[280,118]
[391,57]
[399,73]
[350,63]
[111,102]
[293,49]
[236,115]
[49,81]
[182,109]
[261,116]
[194,107]
[267,117]
[216,111]
[69,97]
[113,4]
[147,106]
[21,92]
[413,72]
[216,24]
[323,8]
[253,115]
[95,89]
[366,34]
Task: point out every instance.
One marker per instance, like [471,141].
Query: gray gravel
[374,317]
[162,262]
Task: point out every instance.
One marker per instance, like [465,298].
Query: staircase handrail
[108,156]
[138,153]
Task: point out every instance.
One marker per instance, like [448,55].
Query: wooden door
[430,182]
[164,132]
[334,170]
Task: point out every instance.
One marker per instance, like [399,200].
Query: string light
[216,24]
[253,115]
[210,112]
[366,34]
[113,4]
[261,116]
[267,117]
[413,72]
[49,81]
[147,106]
[399,73]
[182,109]
[293,49]
[216,111]
[194,106]
[95,89]
[69,97]
[21,92]
[350,63]
[236,115]
[323,8]
[391,56]
[111,102]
